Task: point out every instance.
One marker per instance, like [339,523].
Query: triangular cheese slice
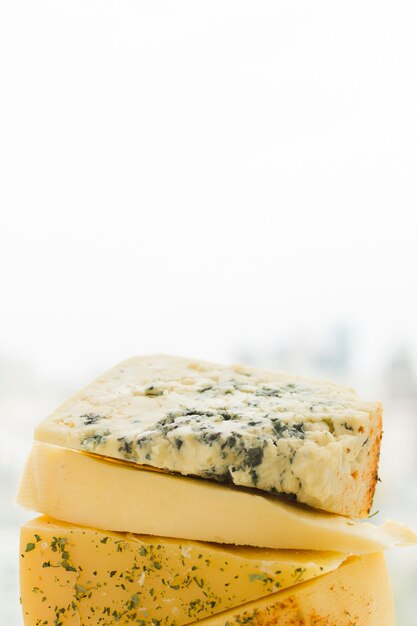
[87,490]
[80,575]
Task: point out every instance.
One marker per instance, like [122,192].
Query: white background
[216,179]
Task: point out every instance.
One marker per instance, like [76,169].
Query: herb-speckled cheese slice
[315,441]
[74,575]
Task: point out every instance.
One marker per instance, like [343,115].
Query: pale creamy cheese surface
[89,490]
[315,441]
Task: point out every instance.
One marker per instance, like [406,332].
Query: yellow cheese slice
[77,575]
[89,491]
[356,594]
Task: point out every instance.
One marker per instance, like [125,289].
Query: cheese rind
[356,594]
[313,440]
[76,575]
[87,490]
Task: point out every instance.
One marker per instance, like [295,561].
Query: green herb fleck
[153,392]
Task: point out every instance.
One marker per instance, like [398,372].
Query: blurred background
[229,180]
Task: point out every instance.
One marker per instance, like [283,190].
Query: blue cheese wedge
[314,441]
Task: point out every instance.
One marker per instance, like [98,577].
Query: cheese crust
[314,441]
[358,593]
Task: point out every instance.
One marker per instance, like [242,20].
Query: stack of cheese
[176,491]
